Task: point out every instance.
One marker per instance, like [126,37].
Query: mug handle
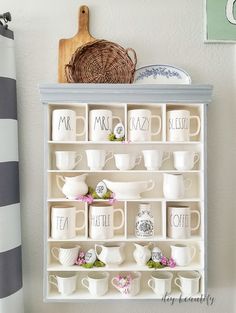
[151,181]
[195,117]
[166,157]
[138,160]
[159,120]
[113,283]
[199,219]
[196,158]
[58,178]
[114,117]
[194,250]
[85,279]
[50,280]
[108,157]
[83,131]
[187,183]
[150,283]
[81,227]
[176,282]
[78,158]
[122,218]
[55,250]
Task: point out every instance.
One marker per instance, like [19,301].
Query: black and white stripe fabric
[11,296]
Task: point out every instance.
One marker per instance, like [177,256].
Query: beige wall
[161,32]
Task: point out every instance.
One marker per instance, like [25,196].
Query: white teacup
[127,161]
[153,159]
[160,283]
[65,282]
[96,283]
[188,282]
[183,254]
[67,255]
[67,160]
[185,160]
[97,159]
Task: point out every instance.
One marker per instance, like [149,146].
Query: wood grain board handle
[83,20]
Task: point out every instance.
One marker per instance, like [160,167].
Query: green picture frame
[220,21]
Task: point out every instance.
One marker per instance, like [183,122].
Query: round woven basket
[101,61]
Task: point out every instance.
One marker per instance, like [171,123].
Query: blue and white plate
[161,74]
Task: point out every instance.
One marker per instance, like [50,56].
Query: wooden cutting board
[68,46]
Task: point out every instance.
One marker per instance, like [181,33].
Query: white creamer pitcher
[73,186]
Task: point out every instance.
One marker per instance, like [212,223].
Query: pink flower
[171,263]
[81,254]
[164,260]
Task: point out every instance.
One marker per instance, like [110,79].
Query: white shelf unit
[119,99]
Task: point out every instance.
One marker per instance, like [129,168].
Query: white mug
[63,222]
[65,283]
[66,255]
[67,160]
[131,290]
[188,282]
[160,283]
[174,186]
[153,159]
[185,160]
[97,159]
[127,161]
[178,125]
[140,125]
[101,221]
[179,222]
[96,283]
[183,254]
[64,125]
[100,124]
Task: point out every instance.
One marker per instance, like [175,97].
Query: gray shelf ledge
[127,93]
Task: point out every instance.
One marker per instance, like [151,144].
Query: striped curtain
[11,296]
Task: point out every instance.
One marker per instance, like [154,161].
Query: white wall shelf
[119,99]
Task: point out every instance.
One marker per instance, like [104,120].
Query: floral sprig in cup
[123,282]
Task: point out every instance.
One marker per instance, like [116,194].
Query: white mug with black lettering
[179,222]
[140,125]
[63,222]
[100,124]
[101,221]
[179,125]
[64,125]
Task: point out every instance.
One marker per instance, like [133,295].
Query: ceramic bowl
[161,74]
